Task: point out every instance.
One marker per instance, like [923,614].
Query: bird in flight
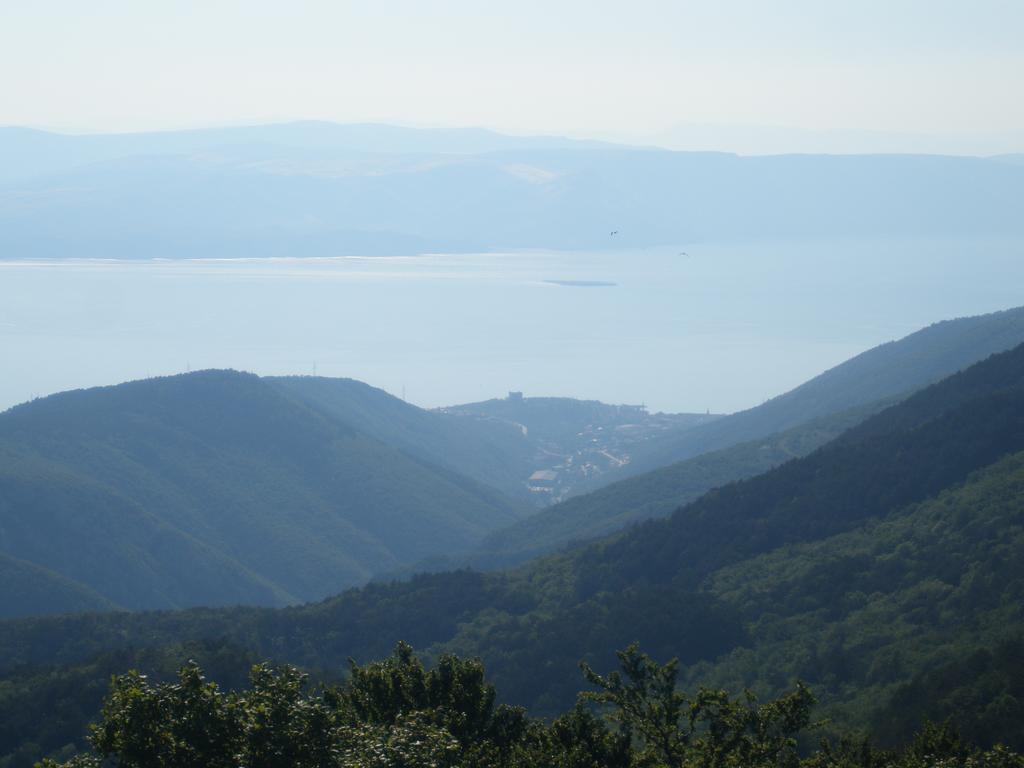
[613,233]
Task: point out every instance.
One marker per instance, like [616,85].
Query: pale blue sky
[899,75]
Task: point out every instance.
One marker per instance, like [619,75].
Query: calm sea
[713,326]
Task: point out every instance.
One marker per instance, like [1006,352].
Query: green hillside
[217,488]
[655,494]
[491,452]
[913,362]
[872,615]
[876,568]
[888,370]
[28,586]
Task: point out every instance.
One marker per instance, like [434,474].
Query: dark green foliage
[191,722]
[581,739]
[393,712]
[708,729]
[454,692]
[553,639]
[361,623]
[983,690]
[53,704]
[178,725]
[900,620]
[398,714]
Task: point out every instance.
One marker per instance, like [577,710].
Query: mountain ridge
[306,198]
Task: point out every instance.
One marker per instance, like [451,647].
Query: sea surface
[716,327]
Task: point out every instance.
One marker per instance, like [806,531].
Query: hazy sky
[897,75]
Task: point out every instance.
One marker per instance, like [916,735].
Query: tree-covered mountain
[872,568]
[888,618]
[319,190]
[222,488]
[492,452]
[133,471]
[654,494]
[214,488]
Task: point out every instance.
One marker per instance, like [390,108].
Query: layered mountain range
[874,551]
[221,488]
[320,189]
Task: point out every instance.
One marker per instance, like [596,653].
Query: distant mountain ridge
[28,152]
[314,189]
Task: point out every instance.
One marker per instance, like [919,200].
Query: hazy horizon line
[784,136]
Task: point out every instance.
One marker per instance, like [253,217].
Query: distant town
[577,441]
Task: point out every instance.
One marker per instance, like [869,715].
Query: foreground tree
[711,729]
[398,714]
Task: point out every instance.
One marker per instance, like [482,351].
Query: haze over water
[722,327]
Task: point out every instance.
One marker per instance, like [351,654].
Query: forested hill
[492,452]
[903,455]
[214,488]
[865,568]
[891,369]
